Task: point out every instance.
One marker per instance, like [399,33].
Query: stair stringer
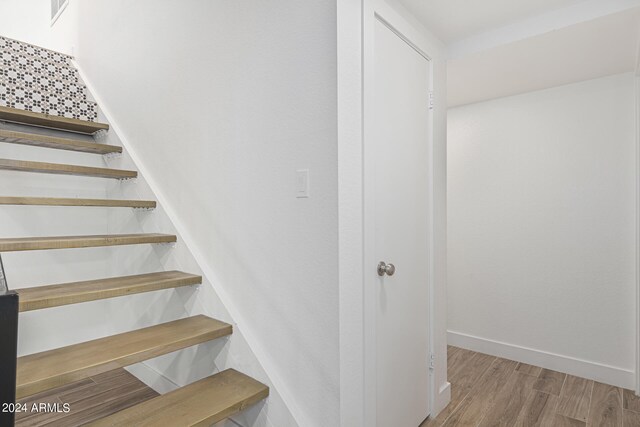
[240,351]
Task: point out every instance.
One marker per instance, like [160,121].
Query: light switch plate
[302,183]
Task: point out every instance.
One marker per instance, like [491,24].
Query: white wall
[222,109]
[26,20]
[30,21]
[222,102]
[541,227]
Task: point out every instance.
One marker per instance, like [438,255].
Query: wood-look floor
[490,391]
[485,391]
[89,399]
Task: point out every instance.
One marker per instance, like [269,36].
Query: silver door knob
[384,268]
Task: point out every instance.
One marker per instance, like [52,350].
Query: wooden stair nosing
[40,297]
[71,242]
[64,169]
[49,369]
[200,404]
[70,201]
[53,122]
[23,138]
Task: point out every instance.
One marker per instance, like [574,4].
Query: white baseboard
[441,400]
[445,391]
[582,368]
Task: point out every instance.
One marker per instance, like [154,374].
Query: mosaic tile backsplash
[42,81]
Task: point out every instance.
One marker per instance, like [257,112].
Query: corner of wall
[350,208]
[582,368]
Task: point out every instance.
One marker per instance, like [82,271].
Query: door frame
[379,11]
[354,60]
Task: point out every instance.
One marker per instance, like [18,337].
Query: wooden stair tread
[70,201]
[71,293]
[54,368]
[53,122]
[46,141]
[201,403]
[64,169]
[68,242]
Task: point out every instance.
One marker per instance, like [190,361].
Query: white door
[400,153]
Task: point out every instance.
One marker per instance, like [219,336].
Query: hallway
[488,390]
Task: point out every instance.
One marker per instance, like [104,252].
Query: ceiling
[453,20]
[588,50]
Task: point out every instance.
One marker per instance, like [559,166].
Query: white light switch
[302,183]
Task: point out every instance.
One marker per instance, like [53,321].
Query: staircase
[41,89]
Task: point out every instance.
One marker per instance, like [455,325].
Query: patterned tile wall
[42,81]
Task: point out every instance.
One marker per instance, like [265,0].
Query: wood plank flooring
[89,399]
[491,391]
[485,390]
